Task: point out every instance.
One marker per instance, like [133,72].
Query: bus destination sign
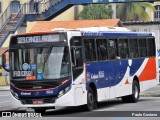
[38,39]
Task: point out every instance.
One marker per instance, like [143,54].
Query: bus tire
[91,100]
[40,110]
[133,98]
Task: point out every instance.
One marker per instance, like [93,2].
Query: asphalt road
[5,102]
[113,109]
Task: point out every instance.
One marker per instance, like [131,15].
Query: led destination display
[37,39]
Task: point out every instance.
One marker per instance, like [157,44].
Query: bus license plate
[37,101]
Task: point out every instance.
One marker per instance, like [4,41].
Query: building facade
[148,26]
[156,15]
[68,15]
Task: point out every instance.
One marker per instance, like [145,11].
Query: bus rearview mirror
[4,61]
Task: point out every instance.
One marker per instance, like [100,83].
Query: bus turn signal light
[31,78]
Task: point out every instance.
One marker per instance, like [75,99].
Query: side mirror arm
[4,61]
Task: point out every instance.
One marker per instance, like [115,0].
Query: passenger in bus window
[103,52]
[118,57]
[89,51]
[79,58]
[113,52]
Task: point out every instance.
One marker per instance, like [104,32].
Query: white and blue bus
[80,67]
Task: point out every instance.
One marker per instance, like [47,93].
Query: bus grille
[35,85]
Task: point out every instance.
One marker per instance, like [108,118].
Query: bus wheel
[90,100]
[40,110]
[133,98]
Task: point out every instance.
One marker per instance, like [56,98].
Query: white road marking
[157,101]
[108,109]
[4,95]
[5,102]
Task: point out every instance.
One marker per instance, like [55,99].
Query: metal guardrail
[18,16]
[40,7]
[10,21]
[28,8]
[5,16]
[46,4]
[14,20]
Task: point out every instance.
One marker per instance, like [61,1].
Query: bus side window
[133,47]
[151,46]
[142,47]
[90,53]
[112,49]
[101,49]
[77,57]
[123,48]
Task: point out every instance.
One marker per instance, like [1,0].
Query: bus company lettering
[99,75]
[38,39]
[97,1]
[25,93]
[49,92]
[22,73]
[92,34]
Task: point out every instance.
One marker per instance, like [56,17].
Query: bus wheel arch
[91,97]
[137,80]
[133,98]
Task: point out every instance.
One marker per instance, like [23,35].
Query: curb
[6,108]
[150,95]
[12,109]
[4,88]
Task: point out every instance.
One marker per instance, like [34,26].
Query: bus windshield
[43,63]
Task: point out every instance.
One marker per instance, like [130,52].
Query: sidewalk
[152,92]
[4,88]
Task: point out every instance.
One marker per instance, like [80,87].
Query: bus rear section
[116,65]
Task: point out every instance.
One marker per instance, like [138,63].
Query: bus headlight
[14,94]
[63,91]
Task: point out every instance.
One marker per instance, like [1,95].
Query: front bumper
[65,100]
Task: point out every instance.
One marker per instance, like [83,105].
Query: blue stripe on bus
[115,34]
[110,73]
[136,63]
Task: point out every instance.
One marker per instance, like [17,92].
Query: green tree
[96,11]
[136,11]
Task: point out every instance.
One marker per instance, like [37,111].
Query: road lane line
[4,95]
[5,102]
[108,109]
[157,101]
